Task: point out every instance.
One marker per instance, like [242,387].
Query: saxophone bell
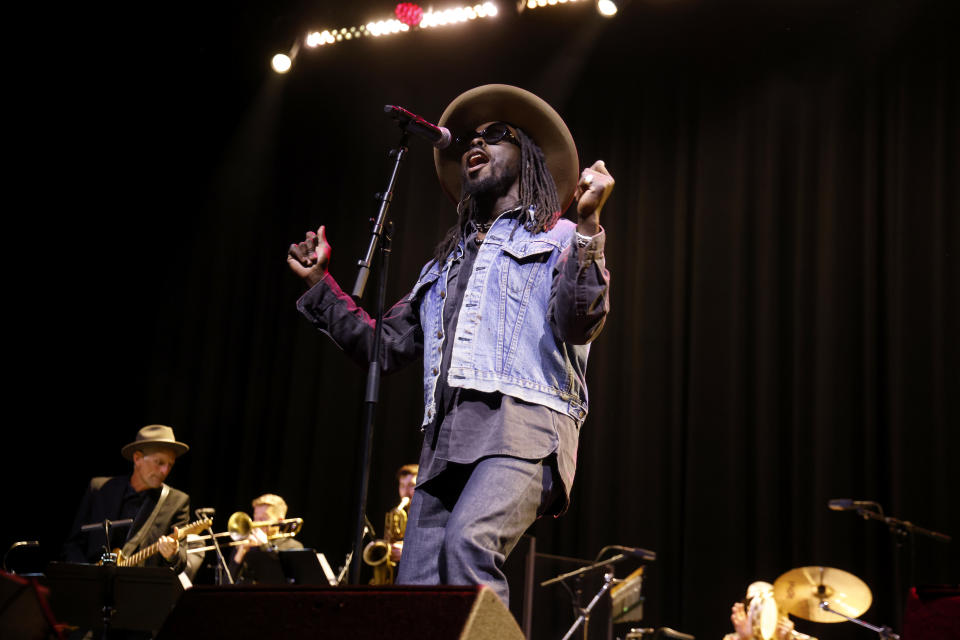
[377,552]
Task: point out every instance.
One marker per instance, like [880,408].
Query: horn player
[406,485]
[266,508]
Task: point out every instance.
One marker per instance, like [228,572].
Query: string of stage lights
[409,16]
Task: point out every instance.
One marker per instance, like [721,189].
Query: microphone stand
[901,529]
[584,617]
[886,633]
[108,562]
[380,237]
[222,568]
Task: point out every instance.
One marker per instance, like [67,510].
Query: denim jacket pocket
[425,280]
[523,267]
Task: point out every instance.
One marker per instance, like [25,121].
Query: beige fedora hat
[519,107]
[156,434]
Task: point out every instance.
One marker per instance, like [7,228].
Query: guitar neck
[139,557]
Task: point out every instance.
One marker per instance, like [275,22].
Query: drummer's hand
[784,628]
[169,546]
[740,622]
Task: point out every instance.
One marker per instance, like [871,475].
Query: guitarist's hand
[169,546]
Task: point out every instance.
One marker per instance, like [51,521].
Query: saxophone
[377,552]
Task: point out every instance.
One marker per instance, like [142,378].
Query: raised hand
[592,192]
[309,259]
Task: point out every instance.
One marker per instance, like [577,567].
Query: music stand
[106,597]
[262,567]
[302,566]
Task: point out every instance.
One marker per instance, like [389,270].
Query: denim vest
[504,341]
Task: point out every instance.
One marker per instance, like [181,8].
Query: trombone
[240,525]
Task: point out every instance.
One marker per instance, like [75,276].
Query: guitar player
[156,509]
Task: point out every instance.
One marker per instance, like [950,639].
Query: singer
[503,316]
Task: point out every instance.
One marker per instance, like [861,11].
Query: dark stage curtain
[783,242]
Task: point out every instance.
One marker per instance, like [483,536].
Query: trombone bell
[240,525]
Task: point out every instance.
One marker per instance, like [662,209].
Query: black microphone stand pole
[380,236]
[108,571]
[901,530]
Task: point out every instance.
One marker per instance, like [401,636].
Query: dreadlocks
[539,201]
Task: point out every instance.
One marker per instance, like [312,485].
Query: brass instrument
[377,552]
[240,525]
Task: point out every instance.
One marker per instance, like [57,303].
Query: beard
[491,187]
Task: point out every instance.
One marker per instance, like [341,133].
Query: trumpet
[240,525]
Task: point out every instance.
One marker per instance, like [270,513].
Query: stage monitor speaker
[335,613]
[24,612]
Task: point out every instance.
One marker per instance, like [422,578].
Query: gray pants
[463,523]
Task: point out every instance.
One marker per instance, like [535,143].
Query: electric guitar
[138,557]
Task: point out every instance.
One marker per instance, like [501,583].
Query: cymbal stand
[886,633]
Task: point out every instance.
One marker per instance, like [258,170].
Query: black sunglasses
[492,134]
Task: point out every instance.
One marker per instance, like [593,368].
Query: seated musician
[747,617]
[266,508]
[156,509]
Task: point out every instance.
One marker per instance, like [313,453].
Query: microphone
[437,136]
[846,504]
[637,552]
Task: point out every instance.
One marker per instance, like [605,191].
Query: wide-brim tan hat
[155,434]
[519,107]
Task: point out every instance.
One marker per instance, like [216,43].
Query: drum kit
[818,594]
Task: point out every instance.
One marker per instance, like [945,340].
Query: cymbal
[800,592]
